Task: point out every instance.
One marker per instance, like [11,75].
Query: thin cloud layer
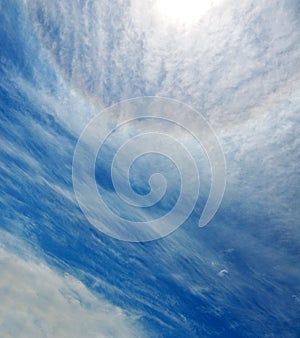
[239,66]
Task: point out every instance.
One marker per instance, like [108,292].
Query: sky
[238,65]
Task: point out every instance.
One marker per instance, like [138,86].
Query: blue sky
[61,63]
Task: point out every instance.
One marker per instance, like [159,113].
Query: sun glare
[183,11]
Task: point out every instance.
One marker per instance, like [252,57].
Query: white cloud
[38,302]
[238,65]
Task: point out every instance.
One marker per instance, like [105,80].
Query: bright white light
[183,11]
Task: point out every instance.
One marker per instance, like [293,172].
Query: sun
[183,11]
